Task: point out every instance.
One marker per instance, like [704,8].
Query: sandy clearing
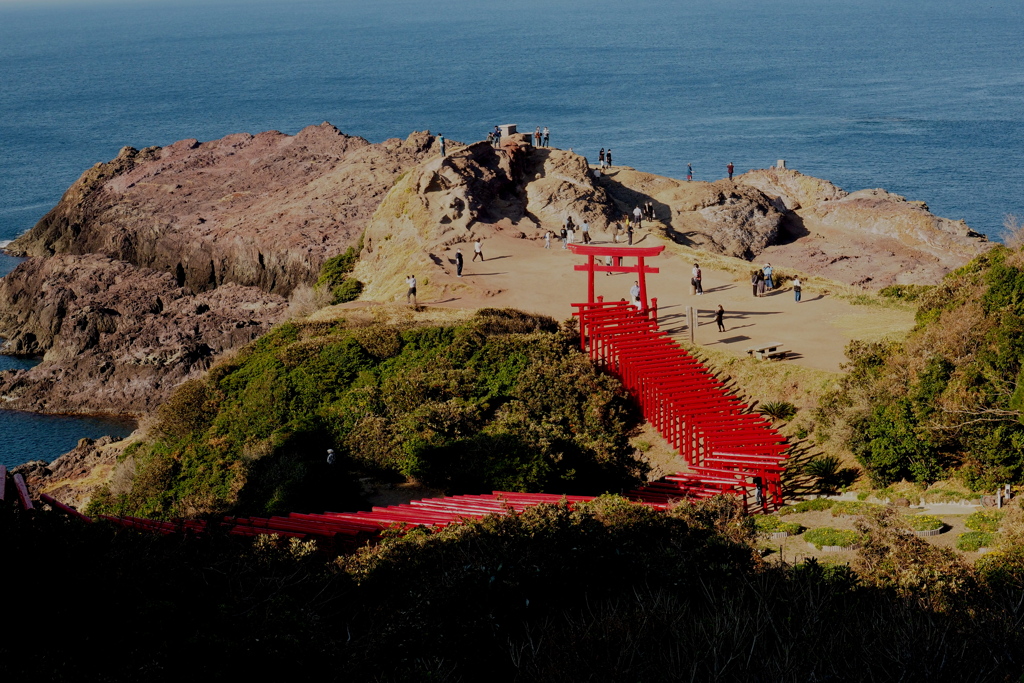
[520,273]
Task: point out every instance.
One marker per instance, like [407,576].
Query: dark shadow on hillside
[791,229]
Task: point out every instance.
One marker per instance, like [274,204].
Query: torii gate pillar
[617,253]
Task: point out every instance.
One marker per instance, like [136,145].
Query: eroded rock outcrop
[116,338]
[871,238]
[255,210]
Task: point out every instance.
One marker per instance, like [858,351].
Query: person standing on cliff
[547,136]
[536,137]
[458,262]
[689,172]
[547,239]
[478,250]
[608,157]
[565,236]
[585,229]
[720,318]
[497,136]
[729,168]
[600,158]
[638,216]
[411,294]
[440,139]
[629,232]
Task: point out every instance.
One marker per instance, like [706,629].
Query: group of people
[541,138]
[604,158]
[762,281]
[568,233]
[689,170]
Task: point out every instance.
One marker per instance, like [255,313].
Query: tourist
[616,229]
[411,294]
[638,216]
[440,140]
[634,292]
[536,137]
[547,239]
[497,136]
[696,280]
[585,229]
[689,172]
[608,264]
[600,158]
[608,157]
[458,262]
[754,274]
[650,211]
[478,249]
[729,169]
[546,136]
[768,283]
[760,283]
[797,287]
[720,317]
[330,456]
[490,138]
[565,236]
[629,232]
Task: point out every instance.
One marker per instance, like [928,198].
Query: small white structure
[781,163]
[507,129]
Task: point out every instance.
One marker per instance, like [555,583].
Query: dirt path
[522,274]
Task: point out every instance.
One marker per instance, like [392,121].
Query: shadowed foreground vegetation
[503,401]
[607,591]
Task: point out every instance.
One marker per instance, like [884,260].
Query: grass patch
[768,524]
[827,535]
[813,505]
[985,520]
[924,522]
[973,541]
[850,508]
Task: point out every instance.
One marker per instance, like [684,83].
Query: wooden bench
[767,351]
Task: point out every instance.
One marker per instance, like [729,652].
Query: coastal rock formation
[871,238]
[74,477]
[116,338]
[261,211]
[720,217]
[474,192]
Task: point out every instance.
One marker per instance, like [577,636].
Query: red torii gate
[617,253]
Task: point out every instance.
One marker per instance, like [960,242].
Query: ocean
[924,98]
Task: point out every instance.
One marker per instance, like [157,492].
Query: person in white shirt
[638,216]
[634,293]
[478,250]
[411,295]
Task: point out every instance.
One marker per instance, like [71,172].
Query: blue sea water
[922,97]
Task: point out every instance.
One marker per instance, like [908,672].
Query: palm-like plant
[777,410]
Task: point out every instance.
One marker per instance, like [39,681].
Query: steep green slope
[948,400]
[502,401]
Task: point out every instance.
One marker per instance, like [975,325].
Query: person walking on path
[547,239]
[720,317]
[616,229]
[629,232]
[565,236]
[330,456]
[536,137]
[729,168]
[696,281]
[600,158]
[689,172]
[458,262]
[547,136]
[585,229]
[638,216]
[768,283]
[760,283]
[478,250]
[608,263]
[608,157]
[440,139]
[797,287]
[634,293]
[411,294]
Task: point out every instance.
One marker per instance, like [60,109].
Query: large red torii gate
[617,253]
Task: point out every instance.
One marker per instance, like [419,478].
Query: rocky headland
[155,263]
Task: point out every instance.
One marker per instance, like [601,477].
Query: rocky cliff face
[116,338]
[261,211]
[871,238]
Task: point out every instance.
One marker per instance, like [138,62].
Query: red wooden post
[3,483]
[654,310]
[590,278]
[643,284]
[26,499]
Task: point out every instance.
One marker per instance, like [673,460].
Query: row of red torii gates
[726,446]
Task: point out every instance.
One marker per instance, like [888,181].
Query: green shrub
[985,520]
[826,535]
[334,277]
[906,292]
[767,524]
[777,410]
[973,541]
[924,522]
[850,508]
[813,505]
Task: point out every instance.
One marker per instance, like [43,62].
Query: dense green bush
[948,400]
[973,541]
[985,520]
[334,276]
[505,401]
[924,522]
[768,524]
[826,535]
